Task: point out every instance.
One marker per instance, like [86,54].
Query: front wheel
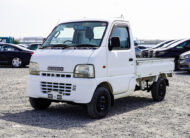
[39,103]
[100,103]
[159,90]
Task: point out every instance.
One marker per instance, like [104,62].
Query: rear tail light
[32,53]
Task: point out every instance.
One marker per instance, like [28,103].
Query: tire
[100,103]
[39,104]
[159,90]
[16,62]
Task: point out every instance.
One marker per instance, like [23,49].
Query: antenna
[121,17]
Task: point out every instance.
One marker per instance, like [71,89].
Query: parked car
[174,50]
[14,55]
[138,52]
[152,51]
[34,46]
[149,51]
[184,61]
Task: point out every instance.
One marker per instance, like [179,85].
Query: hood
[67,59]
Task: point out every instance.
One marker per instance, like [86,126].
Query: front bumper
[77,90]
[184,64]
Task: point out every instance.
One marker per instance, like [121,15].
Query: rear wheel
[16,62]
[39,103]
[159,90]
[100,103]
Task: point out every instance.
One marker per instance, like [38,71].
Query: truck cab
[91,62]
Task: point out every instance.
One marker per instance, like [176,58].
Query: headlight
[184,56]
[84,71]
[34,68]
[187,56]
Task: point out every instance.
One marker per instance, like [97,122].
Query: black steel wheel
[100,103]
[39,103]
[159,90]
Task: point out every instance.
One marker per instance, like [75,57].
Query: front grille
[61,88]
[61,75]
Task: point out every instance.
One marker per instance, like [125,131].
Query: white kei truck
[92,62]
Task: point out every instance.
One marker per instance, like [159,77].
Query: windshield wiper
[63,46]
[43,47]
[87,45]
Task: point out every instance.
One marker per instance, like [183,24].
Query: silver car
[184,61]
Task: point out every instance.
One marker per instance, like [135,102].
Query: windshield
[162,44]
[170,44]
[87,34]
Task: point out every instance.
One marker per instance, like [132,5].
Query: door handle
[130,59]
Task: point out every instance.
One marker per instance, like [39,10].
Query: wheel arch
[164,76]
[109,87]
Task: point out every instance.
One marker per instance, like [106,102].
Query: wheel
[16,62]
[159,90]
[39,104]
[100,103]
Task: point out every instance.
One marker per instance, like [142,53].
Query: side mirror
[115,42]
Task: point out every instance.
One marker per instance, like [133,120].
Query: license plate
[55,96]
[59,97]
[50,96]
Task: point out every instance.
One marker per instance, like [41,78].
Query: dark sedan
[14,55]
[174,51]
[184,61]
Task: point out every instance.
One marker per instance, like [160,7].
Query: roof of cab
[109,20]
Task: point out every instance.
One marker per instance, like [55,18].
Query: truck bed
[153,66]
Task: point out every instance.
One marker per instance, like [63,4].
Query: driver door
[121,62]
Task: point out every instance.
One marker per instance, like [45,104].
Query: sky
[149,19]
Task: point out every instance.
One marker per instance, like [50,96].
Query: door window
[10,48]
[184,44]
[123,34]
[1,48]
